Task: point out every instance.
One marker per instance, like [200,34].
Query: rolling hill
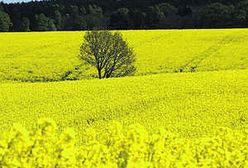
[192,104]
[49,56]
[185,106]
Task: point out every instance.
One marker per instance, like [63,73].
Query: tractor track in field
[156,38]
[192,65]
[114,113]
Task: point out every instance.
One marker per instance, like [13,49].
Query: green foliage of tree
[58,19]
[154,16]
[128,14]
[138,19]
[41,22]
[120,19]
[109,53]
[95,18]
[5,22]
[167,9]
[25,24]
[77,18]
[241,14]
[44,23]
[50,25]
[217,15]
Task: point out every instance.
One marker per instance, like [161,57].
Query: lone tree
[109,53]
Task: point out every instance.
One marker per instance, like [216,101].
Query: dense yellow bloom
[189,106]
[129,147]
[46,56]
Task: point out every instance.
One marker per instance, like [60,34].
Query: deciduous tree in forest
[25,25]
[44,23]
[5,22]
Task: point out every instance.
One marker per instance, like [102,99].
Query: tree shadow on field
[77,73]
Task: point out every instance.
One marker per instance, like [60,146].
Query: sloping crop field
[48,56]
[186,106]
[191,104]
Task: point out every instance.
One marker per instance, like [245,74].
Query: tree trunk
[99,74]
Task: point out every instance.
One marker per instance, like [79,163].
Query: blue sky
[8,1]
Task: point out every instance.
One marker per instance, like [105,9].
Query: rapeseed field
[191,104]
[48,56]
[117,147]
[186,106]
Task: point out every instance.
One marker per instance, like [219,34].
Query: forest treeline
[52,15]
